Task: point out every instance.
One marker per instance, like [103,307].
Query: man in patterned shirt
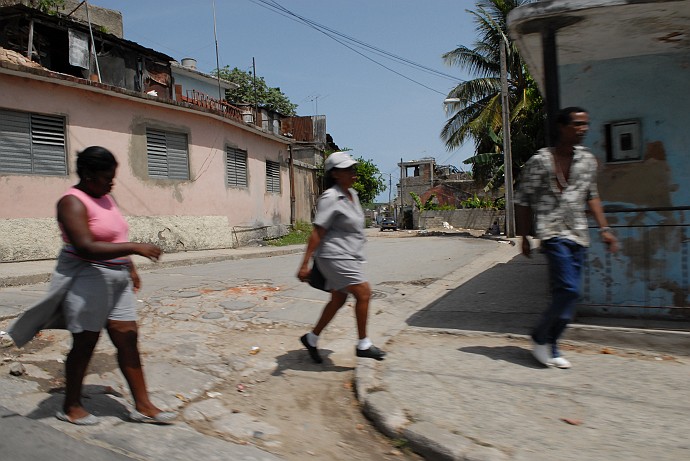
[557,184]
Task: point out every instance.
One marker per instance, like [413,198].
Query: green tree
[369,182]
[428,205]
[263,95]
[478,116]
[46,6]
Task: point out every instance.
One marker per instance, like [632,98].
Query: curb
[432,442]
[175,260]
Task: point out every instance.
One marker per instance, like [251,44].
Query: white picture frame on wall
[625,141]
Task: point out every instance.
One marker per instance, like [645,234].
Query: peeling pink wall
[120,125]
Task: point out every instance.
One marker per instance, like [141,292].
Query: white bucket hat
[339,160]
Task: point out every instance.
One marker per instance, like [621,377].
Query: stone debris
[17,369]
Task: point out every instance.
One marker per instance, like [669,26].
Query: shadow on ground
[512,354]
[507,298]
[97,399]
[300,360]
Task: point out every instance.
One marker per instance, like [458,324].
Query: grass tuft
[297,236]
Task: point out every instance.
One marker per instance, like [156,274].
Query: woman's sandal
[164,417]
[88,420]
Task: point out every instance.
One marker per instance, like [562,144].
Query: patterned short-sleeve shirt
[559,213]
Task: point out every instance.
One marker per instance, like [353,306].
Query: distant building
[424,177]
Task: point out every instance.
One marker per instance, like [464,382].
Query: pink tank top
[106,223]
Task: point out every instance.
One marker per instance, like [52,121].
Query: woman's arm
[313,243]
[71,213]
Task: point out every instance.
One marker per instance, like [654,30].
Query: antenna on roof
[93,43]
[215,37]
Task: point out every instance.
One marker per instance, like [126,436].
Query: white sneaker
[542,352]
[559,362]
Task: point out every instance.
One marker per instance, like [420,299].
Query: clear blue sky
[377,113]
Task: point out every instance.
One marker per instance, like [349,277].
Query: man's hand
[610,240]
[526,247]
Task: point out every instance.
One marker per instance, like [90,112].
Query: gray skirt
[99,293]
[341,273]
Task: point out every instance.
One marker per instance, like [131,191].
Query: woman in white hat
[337,244]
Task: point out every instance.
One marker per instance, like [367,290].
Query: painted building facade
[190,177]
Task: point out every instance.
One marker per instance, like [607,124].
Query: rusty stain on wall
[644,184]
[651,233]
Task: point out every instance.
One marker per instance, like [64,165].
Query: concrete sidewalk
[459,382]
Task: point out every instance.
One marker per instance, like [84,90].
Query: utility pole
[390,186]
[507,153]
[256,100]
[402,202]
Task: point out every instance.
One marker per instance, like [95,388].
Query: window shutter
[272,176]
[32,143]
[48,142]
[156,154]
[236,167]
[178,167]
[15,142]
[167,155]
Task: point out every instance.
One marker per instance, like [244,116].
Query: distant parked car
[389,223]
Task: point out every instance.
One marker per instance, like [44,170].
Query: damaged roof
[595,30]
[61,21]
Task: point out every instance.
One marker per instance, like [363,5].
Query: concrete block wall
[32,239]
[466,218]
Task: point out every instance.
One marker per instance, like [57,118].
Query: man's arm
[523,220]
[604,230]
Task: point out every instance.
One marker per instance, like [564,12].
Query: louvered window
[32,144]
[235,167]
[167,155]
[272,177]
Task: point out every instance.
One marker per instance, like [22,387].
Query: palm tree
[477,115]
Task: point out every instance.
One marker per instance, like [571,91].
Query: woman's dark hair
[328,180]
[95,158]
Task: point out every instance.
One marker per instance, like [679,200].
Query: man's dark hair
[565,115]
[94,159]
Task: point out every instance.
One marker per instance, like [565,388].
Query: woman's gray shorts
[98,294]
[341,273]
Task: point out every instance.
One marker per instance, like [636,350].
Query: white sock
[312,339]
[364,344]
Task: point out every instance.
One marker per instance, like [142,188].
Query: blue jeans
[566,259]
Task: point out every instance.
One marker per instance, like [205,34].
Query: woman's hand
[149,250]
[303,273]
[136,281]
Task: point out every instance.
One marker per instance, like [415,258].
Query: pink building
[190,177]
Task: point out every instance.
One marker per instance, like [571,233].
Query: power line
[378,51]
[341,38]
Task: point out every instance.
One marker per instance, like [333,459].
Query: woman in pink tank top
[101,294]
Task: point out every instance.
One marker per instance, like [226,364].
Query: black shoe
[372,353]
[313,352]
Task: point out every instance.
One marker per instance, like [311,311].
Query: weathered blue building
[628,63]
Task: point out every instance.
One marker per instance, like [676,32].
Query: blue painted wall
[189,84]
[648,200]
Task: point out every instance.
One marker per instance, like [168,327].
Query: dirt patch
[310,410]
[312,407]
